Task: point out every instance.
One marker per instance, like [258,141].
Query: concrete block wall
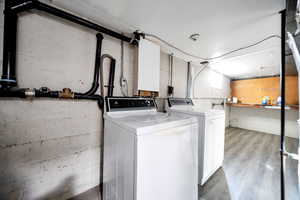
[50,148]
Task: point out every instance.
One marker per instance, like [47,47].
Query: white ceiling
[222,25]
[262,63]
[257,64]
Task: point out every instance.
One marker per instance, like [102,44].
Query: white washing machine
[148,155]
[211,134]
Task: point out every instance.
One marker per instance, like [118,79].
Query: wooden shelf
[273,107]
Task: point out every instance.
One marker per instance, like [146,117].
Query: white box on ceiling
[148,66]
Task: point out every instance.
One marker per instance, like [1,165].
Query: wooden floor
[251,170]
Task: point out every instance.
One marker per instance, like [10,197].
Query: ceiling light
[194,36]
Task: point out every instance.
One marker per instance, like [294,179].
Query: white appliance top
[186,106]
[197,110]
[143,120]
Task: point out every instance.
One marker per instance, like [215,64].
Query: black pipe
[111,79]
[111,75]
[45,92]
[21,6]
[189,81]
[35,4]
[13,92]
[95,84]
[282,113]
[98,98]
[8,78]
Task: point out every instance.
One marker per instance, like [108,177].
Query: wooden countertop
[273,107]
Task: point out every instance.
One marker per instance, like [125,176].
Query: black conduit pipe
[35,4]
[95,84]
[111,75]
[46,93]
[282,113]
[98,98]
[13,92]
[111,79]
[8,78]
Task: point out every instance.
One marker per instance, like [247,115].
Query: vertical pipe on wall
[170,70]
[110,85]
[172,61]
[111,78]
[8,78]
[189,80]
[282,113]
[95,84]
[170,80]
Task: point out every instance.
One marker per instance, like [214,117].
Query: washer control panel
[129,103]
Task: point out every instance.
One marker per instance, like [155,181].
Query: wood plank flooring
[251,170]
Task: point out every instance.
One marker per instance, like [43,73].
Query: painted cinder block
[51,148]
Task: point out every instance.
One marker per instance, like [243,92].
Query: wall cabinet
[148,66]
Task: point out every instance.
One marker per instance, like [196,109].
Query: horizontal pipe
[21,6]
[46,93]
[35,4]
[98,98]
[14,92]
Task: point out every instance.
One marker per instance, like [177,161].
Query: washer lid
[195,110]
[150,122]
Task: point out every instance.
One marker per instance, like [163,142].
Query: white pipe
[123,81]
[293,46]
[297,18]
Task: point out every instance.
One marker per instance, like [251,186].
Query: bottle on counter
[279,100]
[265,100]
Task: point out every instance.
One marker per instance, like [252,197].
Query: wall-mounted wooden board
[252,91]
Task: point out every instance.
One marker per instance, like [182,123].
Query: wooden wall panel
[252,91]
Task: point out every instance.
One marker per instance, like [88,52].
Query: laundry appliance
[147,154]
[211,134]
